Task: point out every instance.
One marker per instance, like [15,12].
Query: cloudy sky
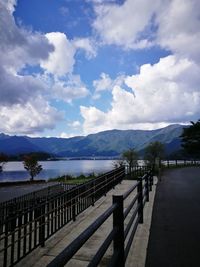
[74,67]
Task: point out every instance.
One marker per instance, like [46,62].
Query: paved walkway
[40,257]
[175,231]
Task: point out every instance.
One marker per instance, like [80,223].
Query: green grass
[70,179]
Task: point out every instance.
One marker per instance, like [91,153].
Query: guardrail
[176,163]
[120,234]
[23,230]
[29,200]
[136,171]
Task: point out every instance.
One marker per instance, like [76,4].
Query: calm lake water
[14,171]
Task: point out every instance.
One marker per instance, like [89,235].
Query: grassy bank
[70,179]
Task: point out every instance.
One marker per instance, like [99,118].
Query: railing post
[6,242]
[42,224]
[105,186]
[150,181]
[140,200]
[147,187]
[118,223]
[93,193]
[73,208]
[121,176]
[151,178]
[113,180]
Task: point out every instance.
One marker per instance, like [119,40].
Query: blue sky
[75,67]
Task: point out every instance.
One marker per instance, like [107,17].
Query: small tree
[131,157]
[154,151]
[31,165]
[3,161]
[191,139]
[118,163]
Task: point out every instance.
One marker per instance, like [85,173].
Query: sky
[76,67]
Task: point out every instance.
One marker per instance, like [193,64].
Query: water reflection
[14,171]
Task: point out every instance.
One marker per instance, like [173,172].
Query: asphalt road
[175,230]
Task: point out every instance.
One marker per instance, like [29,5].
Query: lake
[14,171]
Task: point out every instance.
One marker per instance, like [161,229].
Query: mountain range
[106,143]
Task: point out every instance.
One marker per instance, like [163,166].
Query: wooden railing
[120,234]
[24,229]
[136,171]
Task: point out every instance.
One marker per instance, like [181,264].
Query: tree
[154,151]
[3,160]
[31,165]
[118,163]
[131,157]
[191,139]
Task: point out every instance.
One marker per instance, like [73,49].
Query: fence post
[42,224]
[140,200]
[74,206]
[106,187]
[6,242]
[147,187]
[151,179]
[150,182]
[93,193]
[118,223]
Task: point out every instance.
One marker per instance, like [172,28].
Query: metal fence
[30,221]
[136,171]
[176,163]
[120,235]
[31,199]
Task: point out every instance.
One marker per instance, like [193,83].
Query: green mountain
[107,143]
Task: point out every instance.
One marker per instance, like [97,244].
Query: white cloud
[27,118]
[74,124]
[67,135]
[100,1]
[25,99]
[174,25]
[94,120]
[69,89]
[17,89]
[163,93]
[61,60]
[127,24]
[18,46]
[24,107]
[105,83]
[87,45]
[9,5]
[179,27]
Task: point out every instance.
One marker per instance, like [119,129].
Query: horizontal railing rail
[121,234]
[137,171]
[23,230]
[170,163]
